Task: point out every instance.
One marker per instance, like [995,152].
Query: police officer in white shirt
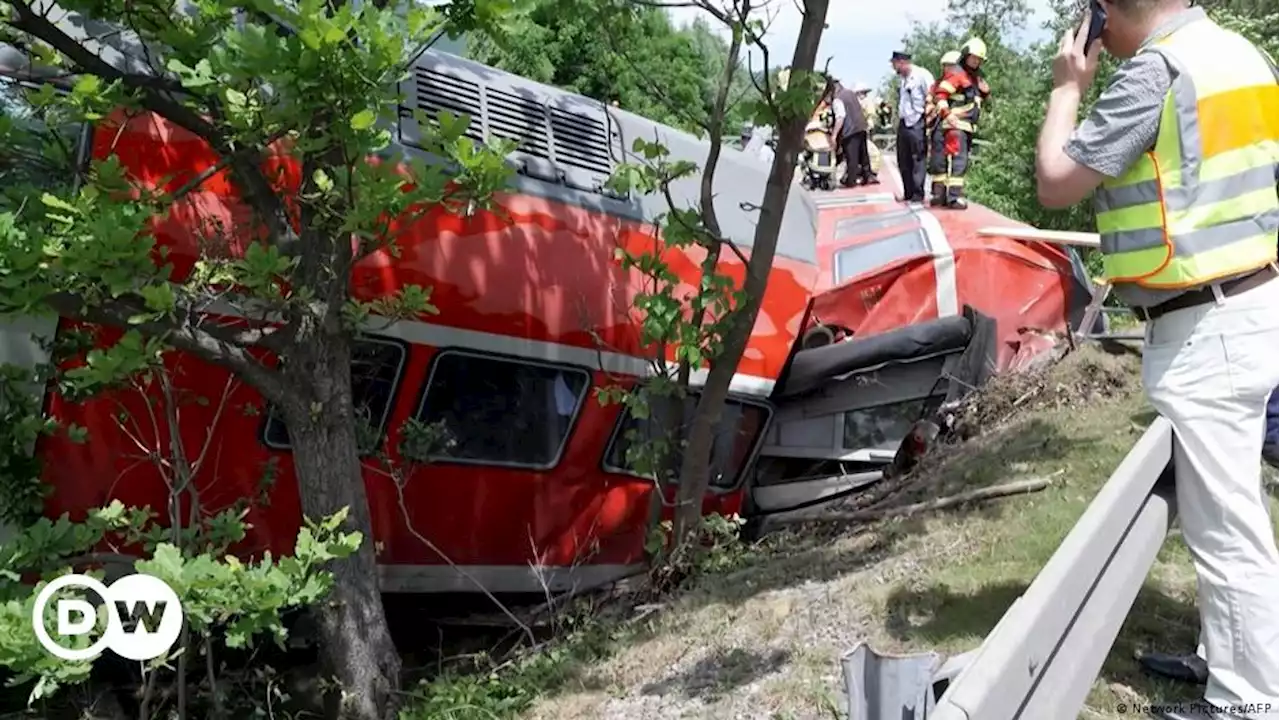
[913,91]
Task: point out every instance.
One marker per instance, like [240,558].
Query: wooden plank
[1057,237]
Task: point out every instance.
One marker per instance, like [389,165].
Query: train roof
[568,145]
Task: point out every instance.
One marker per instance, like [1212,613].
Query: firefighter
[884,114]
[937,155]
[950,60]
[958,98]
[870,106]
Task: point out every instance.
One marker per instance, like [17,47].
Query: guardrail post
[1040,660]
[881,685]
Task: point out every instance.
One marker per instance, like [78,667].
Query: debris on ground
[1080,378]
[915,480]
[765,642]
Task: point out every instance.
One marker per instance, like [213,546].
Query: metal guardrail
[1045,653]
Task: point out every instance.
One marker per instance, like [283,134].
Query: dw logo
[150,606]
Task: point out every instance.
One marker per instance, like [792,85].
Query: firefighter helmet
[975,47]
[951,57]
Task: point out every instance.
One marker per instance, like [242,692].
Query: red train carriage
[535,311]
[913,308]
[875,313]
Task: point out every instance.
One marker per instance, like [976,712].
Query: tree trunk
[355,642]
[695,470]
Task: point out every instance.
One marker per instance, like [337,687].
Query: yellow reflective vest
[1202,204]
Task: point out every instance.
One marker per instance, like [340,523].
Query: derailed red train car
[535,311]
[914,307]
[875,313]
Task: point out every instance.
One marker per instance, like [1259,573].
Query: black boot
[955,199]
[1190,668]
[939,195]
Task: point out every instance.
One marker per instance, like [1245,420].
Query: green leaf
[364,120]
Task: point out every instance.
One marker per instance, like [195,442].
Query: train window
[737,434]
[884,426]
[498,411]
[852,227]
[376,366]
[859,259]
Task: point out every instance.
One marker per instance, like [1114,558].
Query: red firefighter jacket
[958,97]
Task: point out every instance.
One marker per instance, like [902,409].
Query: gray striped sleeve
[1124,122]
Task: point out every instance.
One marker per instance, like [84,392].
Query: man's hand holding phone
[1077,58]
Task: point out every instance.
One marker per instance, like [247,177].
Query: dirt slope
[765,642]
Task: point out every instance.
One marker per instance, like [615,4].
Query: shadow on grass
[823,551]
[1157,621]
[1144,417]
[813,554]
[1161,622]
[937,614]
[992,459]
[720,673]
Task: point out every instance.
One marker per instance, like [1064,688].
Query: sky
[861,34]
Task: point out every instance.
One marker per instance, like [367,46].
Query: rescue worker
[949,61]
[1180,154]
[937,163]
[849,133]
[958,98]
[884,114]
[870,102]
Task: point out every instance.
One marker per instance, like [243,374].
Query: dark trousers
[948,160]
[911,153]
[937,164]
[857,160]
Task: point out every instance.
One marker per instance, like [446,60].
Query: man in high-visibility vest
[1180,153]
[958,98]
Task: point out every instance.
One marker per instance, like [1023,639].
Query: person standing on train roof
[948,62]
[849,133]
[913,90]
[937,159]
[959,97]
[1180,154]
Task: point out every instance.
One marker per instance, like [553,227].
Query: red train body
[535,311]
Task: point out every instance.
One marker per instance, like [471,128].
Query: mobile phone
[1097,21]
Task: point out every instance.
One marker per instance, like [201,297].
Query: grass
[765,641]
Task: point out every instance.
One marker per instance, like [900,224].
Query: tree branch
[716,12]
[184,336]
[153,94]
[150,87]
[1019,487]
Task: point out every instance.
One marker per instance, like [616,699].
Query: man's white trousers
[1209,370]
